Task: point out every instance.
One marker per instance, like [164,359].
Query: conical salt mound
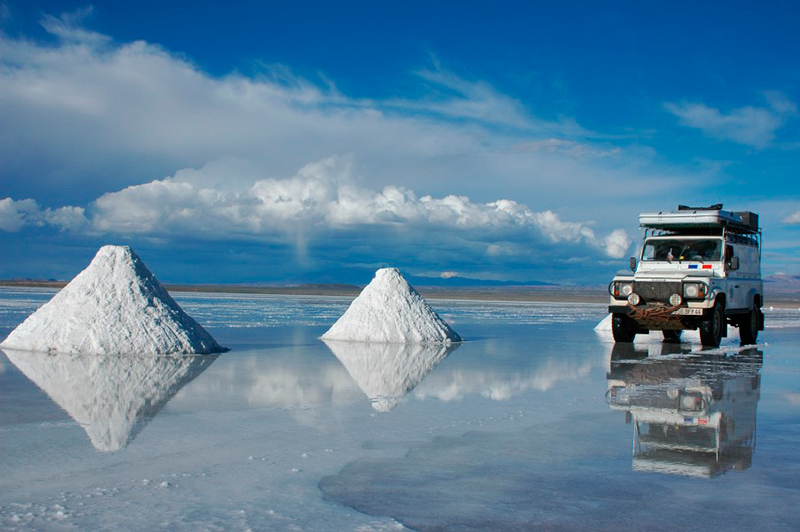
[114,306]
[389,310]
[111,397]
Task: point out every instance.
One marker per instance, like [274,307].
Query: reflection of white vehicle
[690,417]
[698,268]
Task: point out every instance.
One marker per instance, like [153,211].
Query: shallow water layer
[536,422]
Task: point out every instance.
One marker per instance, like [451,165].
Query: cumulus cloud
[67,218]
[14,215]
[617,243]
[751,126]
[319,202]
[321,197]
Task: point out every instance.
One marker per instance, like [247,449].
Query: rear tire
[672,336]
[623,327]
[748,327]
[711,329]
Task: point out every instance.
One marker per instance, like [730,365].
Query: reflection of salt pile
[390,310]
[111,397]
[386,372]
[114,306]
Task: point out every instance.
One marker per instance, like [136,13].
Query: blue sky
[263,141]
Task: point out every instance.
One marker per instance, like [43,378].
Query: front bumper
[663,317]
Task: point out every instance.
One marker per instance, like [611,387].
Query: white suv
[698,268]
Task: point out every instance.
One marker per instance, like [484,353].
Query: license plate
[688,312]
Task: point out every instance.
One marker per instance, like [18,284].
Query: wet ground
[537,422]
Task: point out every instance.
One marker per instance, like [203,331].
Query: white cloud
[320,199]
[751,126]
[569,148]
[617,243]
[100,116]
[14,215]
[67,218]
[780,103]
[68,27]
[793,218]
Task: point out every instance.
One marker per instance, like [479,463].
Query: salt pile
[110,397]
[114,306]
[386,372]
[389,310]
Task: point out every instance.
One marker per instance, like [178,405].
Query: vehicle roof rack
[687,218]
[715,207]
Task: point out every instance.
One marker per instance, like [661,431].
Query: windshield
[670,249]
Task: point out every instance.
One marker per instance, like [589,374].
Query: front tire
[672,336]
[711,329]
[623,327]
[748,327]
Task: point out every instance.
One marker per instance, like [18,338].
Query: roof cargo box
[687,218]
[750,219]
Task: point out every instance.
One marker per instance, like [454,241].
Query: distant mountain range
[356,278]
[782,283]
[362,277]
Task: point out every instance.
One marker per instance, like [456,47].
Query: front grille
[652,292]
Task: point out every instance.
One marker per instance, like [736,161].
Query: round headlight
[690,290]
[626,289]
[675,300]
[634,299]
[689,402]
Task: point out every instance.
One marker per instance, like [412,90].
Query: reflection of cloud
[289,388]
[792,397]
[111,397]
[496,385]
[263,381]
[387,372]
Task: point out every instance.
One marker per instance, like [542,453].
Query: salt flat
[516,428]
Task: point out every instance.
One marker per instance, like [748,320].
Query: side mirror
[734,263]
[633,264]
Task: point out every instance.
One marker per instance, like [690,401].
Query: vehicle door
[737,285]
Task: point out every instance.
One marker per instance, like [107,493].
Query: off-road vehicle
[698,268]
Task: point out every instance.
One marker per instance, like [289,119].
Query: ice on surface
[110,397]
[389,310]
[114,306]
[386,372]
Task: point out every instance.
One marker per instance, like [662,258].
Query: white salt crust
[389,310]
[113,307]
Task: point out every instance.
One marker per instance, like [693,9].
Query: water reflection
[111,397]
[692,414]
[387,372]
